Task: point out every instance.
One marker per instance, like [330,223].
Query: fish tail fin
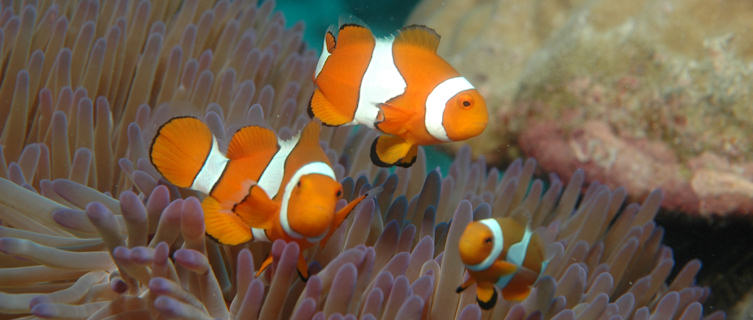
[224,225]
[387,151]
[180,148]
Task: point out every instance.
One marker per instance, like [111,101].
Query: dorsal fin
[330,41]
[251,139]
[418,35]
[354,33]
[310,134]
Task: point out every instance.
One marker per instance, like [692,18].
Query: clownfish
[500,253]
[262,189]
[398,85]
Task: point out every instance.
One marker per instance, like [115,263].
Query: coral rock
[670,78]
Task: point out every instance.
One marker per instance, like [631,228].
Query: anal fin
[387,151]
[328,113]
[409,158]
[224,225]
[486,295]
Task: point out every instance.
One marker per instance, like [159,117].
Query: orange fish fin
[516,290]
[330,41]
[265,264]
[249,140]
[409,159]
[504,267]
[340,216]
[257,209]
[303,267]
[329,114]
[465,285]
[388,150]
[180,148]
[224,225]
[486,295]
[310,134]
[353,33]
[418,35]
[393,120]
[343,213]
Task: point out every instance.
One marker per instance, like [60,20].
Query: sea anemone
[69,248]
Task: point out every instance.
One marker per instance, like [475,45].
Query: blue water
[383,17]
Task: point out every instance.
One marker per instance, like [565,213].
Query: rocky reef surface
[642,94]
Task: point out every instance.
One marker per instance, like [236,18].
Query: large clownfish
[263,189]
[398,85]
[500,253]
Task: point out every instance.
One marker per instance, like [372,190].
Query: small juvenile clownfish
[503,253]
[263,189]
[398,85]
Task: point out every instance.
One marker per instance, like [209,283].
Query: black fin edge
[406,164]
[309,109]
[304,279]
[375,158]
[488,304]
[424,27]
[312,116]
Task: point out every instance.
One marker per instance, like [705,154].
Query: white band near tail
[436,103]
[211,170]
[516,254]
[499,242]
[317,167]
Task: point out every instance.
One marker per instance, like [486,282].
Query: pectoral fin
[257,209]
[265,264]
[392,119]
[465,285]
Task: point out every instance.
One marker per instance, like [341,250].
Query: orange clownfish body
[263,189]
[398,85]
[500,253]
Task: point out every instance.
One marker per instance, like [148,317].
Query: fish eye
[466,101]
[298,184]
[339,193]
[488,240]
